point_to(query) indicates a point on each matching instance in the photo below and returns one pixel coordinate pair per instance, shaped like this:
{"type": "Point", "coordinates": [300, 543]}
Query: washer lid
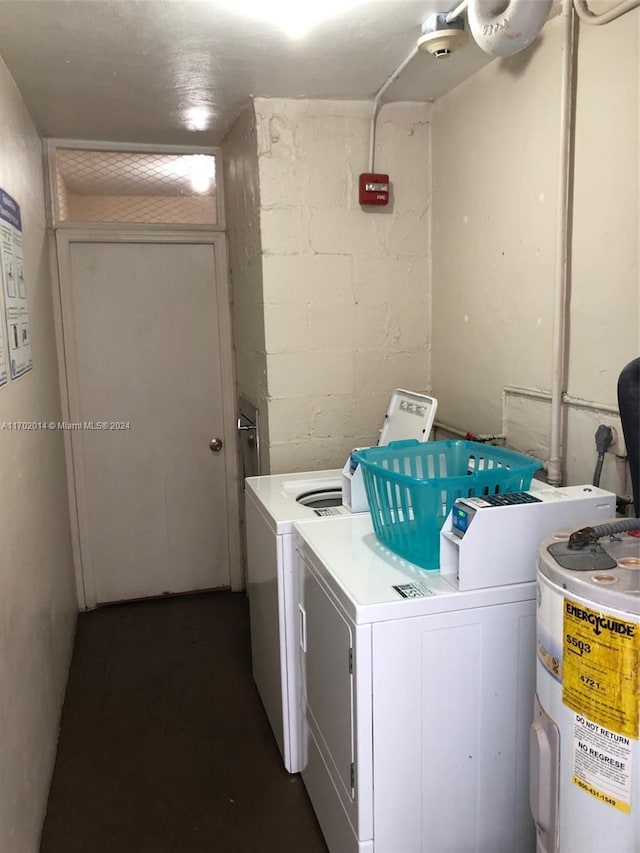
{"type": "Point", "coordinates": [275, 495]}
{"type": "Point", "coordinates": [409, 415]}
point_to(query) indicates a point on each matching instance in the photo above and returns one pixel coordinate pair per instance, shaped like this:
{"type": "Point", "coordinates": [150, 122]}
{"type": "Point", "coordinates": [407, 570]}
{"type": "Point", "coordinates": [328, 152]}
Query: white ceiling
{"type": "Point", "coordinates": [131, 70]}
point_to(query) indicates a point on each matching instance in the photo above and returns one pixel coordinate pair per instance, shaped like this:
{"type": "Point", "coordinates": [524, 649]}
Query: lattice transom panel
{"type": "Point", "coordinates": [135, 187]}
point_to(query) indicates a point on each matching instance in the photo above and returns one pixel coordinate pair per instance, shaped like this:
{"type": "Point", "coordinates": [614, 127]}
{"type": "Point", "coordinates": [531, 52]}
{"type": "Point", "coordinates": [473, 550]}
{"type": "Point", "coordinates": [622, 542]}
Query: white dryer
{"type": "Point", "coordinates": [274, 503]}
{"type": "Point", "coordinates": [418, 685]}
{"type": "Point", "coordinates": [418, 700]}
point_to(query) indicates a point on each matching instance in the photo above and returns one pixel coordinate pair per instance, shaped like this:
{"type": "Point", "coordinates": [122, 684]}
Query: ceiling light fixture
{"type": "Point", "coordinates": [295, 18]}
{"type": "Point", "coordinates": [197, 118]}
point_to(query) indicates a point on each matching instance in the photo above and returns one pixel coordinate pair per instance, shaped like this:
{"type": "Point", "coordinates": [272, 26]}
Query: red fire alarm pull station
{"type": "Point", "coordinates": [374, 189]}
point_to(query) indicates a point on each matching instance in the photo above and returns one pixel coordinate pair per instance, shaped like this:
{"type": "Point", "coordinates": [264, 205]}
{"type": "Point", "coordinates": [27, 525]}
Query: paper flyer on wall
{"type": "Point", "coordinates": [3, 359]}
{"type": "Point", "coordinates": [16, 308]}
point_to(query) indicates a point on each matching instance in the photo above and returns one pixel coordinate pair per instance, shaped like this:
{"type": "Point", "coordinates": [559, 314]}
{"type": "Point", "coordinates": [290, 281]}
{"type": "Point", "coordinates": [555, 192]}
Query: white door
{"type": "Point", "coordinates": [146, 391]}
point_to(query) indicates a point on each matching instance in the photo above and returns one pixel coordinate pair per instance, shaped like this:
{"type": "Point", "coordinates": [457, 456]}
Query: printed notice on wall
{"type": "Point", "coordinates": [602, 763]}
{"type": "Point", "coordinates": [3, 359]}
{"type": "Point", "coordinates": [600, 668]}
{"type": "Point", "coordinates": [14, 288]}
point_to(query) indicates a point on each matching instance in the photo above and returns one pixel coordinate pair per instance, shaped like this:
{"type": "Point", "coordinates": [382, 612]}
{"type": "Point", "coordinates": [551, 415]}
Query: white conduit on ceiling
{"type": "Point", "coordinates": [455, 13]}
{"type": "Point", "coordinates": [511, 31]}
{"type": "Point", "coordinates": [585, 14]}
{"type": "Point", "coordinates": [581, 6]}
{"type": "Point", "coordinates": [376, 105]}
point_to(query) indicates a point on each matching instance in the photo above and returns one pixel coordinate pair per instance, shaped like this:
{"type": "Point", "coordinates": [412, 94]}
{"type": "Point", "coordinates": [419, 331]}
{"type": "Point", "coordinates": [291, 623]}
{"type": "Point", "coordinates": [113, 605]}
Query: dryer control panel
{"type": "Point", "coordinates": [488, 541]}
{"type": "Point", "coordinates": [465, 509]}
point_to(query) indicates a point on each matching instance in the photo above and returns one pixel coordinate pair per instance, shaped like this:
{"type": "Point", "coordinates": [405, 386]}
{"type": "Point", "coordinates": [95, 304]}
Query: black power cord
{"type": "Point", "coordinates": [604, 440]}
{"type": "Point", "coordinates": [589, 535]}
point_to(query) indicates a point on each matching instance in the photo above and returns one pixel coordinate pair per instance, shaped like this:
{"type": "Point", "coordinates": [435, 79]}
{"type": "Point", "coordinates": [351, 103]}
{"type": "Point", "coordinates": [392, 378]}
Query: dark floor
{"type": "Point", "coordinates": [165, 747]}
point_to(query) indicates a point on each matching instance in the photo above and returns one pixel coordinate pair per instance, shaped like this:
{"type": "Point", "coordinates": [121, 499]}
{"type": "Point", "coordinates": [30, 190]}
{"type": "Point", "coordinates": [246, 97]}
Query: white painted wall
{"type": "Point", "coordinates": [37, 589]}
{"type": "Point", "coordinates": [346, 291]}
{"type": "Point", "coordinates": [495, 152]}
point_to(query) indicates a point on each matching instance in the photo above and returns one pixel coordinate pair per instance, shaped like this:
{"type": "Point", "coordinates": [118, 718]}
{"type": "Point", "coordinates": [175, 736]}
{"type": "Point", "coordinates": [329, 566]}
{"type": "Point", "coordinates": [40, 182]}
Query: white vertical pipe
{"type": "Point", "coordinates": [561, 294]}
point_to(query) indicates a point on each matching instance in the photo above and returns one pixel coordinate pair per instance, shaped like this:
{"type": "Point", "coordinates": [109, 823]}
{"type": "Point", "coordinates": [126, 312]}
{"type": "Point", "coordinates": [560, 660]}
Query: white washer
{"type": "Point", "coordinates": [272, 508]}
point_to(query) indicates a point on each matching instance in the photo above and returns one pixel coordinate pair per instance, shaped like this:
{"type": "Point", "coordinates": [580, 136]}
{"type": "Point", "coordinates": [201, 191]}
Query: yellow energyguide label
{"type": "Point", "coordinates": [600, 667]}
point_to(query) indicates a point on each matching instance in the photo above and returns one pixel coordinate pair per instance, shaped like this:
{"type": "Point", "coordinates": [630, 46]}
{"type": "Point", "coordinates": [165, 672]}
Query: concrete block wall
{"type": "Point", "coordinates": [345, 291]}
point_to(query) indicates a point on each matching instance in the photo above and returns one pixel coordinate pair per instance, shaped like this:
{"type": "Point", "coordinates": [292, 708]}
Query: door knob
{"type": "Point", "coordinates": [215, 445]}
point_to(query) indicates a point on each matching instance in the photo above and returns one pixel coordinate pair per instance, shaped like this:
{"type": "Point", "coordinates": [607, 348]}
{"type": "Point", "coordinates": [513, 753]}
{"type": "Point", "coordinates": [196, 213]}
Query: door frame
{"type": "Point", "coordinates": [60, 245]}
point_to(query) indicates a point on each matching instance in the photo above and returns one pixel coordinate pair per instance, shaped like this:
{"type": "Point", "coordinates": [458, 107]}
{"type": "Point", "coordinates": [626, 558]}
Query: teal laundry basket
{"type": "Point", "coordinates": [411, 487]}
